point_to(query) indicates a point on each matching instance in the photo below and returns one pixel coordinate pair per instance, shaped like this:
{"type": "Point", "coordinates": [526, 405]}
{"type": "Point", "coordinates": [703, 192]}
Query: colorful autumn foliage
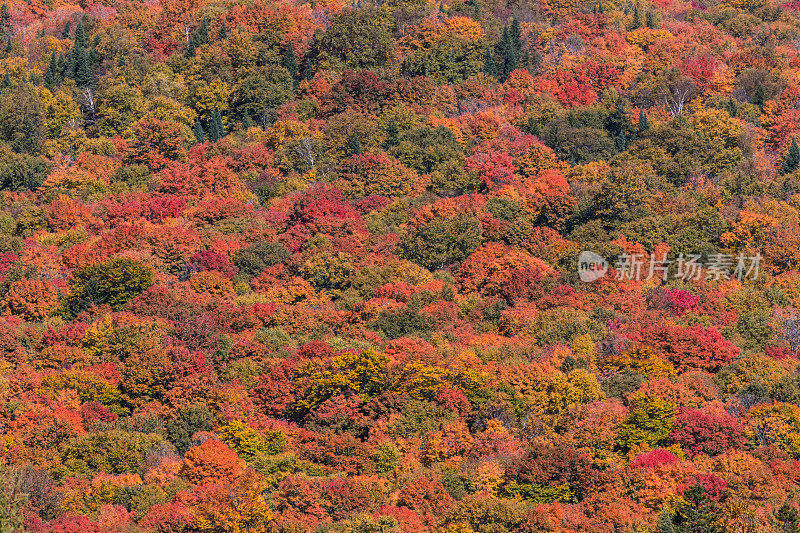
{"type": "Point", "coordinates": [279, 267]}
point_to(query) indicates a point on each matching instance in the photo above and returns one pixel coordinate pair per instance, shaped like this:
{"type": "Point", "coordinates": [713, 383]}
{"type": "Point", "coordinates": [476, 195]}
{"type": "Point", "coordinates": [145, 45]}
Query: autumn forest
{"type": "Point", "coordinates": [402, 266]}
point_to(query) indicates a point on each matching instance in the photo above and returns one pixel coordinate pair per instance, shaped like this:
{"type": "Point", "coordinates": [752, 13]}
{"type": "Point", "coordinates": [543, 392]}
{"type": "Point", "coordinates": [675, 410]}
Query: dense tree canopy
{"type": "Point", "coordinates": [273, 266]}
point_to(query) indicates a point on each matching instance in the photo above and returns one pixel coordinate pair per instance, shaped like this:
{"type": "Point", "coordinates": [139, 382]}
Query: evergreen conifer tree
{"type": "Point", "coordinates": [489, 67]}
{"type": "Point", "coordinates": [637, 18]}
{"type": "Point", "coordinates": [199, 134]}
{"type": "Point", "coordinates": [354, 145]}
{"type": "Point", "coordinates": [52, 76]}
{"type": "Point", "coordinates": [507, 55]}
{"type": "Point", "coordinates": [289, 60]}
{"type": "Point", "coordinates": [792, 160]}
{"type": "Point", "coordinates": [516, 36]}
{"type": "Point", "coordinates": [6, 30]}
{"type": "Point", "coordinates": [202, 32]}
{"type": "Point", "coordinates": [788, 519]}
{"type": "Point", "coordinates": [83, 70]}
{"type": "Point", "coordinates": [191, 47]}
{"type": "Point", "coordinates": [81, 39]}
{"type": "Point", "coordinates": [392, 134]}
{"type": "Point", "coordinates": [696, 514]}
{"type": "Point", "coordinates": [644, 123]}
{"type": "Point", "coordinates": [665, 524]}
{"type": "Point", "coordinates": [62, 66]}
{"type": "Point", "coordinates": [198, 38]}
{"type": "Point", "coordinates": [94, 55]}
{"type": "Point", "coordinates": [69, 64]}
{"type": "Point", "coordinates": [759, 96]}
{"type": "Point", "coordinates": [217, 128]}
{"type": "Point", "coordinates": [621, 141]}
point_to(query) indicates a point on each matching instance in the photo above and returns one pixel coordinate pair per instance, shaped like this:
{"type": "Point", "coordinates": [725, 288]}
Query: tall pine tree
{"type": "Point", "coordinates": [6, 30]}
{"type": "Point", "coordinates": [637, 18]}
{"type": "Point", "coordinates": [506, 55]}
{"type": "Point", "coordinates": [81, 38]}
{"type": "Point", "coordinates": [52, 76]}
{"type": "Point", "coordinates": [354, 145]}
{"type": "Point", "coordinates": [202, 32]}
{"type": "Point", "coordinates": [76, 63]}
{"type": "Point", "coordinates": [621, 141]}
{"type": "Point", "coordinates": [83, 68]}
{"type": "Point", "coordinates": [69, 64]}
{"type": "Point", "coordinates": [792, 160]}
{"type": "Point", "coordinates": [94, 55]}
{"type": "Point", "coordinates": [759, 96]}
{"type": "Point", "coordinates": [516, 36]}
{"type": "Point", "coordinates": [644, 123]}
{"type": "Point", "coordinates": [199, 134]}
{"type": "Point", "coordinates": [392, 134]}
{"type": "Point", "coordinates": [289, 61]}
{"type": "Point", "coordinates": [198, 38]}
{"type": "Point", "coordinates": [616, 122]}
{"type": "Point", "coordinates": [216, 130]}
{"type": "Point", "coordinates": [489, 66]}
{"type": "Point", "coordinates": [62, 66]}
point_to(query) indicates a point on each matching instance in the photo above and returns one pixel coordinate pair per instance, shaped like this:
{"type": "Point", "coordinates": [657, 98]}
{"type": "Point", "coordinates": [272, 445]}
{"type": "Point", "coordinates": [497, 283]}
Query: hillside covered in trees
{"type": "Point", "coordinates": [411, 266]}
